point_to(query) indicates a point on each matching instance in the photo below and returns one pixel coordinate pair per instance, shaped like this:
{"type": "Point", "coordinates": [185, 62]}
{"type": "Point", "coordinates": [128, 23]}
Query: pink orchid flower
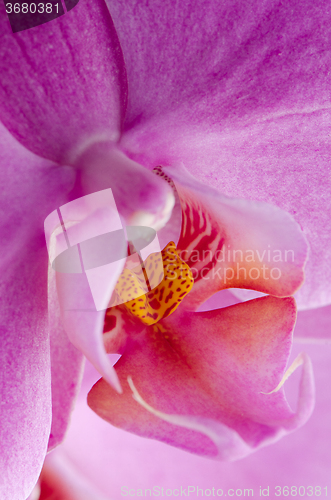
{"type": "Point", "coordinates": [206, 374]}
{"type": "Point", "coordinates": [98, 98]}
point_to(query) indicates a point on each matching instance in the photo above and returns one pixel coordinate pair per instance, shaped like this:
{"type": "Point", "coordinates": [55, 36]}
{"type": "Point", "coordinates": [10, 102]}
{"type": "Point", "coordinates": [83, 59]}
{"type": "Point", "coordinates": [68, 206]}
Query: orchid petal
{"type": "Point", "coordinates": [85, 288]}
{"type": "Point", "coordinates": [235, 64]}
{"type": "Point", "coordinates": [242, 105]}
{"type": "Point", "coordinates": [31, 187]}
{"type": "Point", "coordinates": [67, 364]}
{"type": "Point", "coordinates": [140, 463]}
{"type": "Point", "coordinates": [141, 197]}
{"type": "Point", "coordinates": [225, 439]}
{"type": "Point", "coordinates": [234, 243]}
{"type": "Point", "coordinates": [281, 160]}
{"type": "Point", "coordinates": [84, 329]}
{"type": "Point", "coordinates": [63, 83]}
{"type": "Point", "coordinates": [313, 326]}
{"type": "Point", "coordinates": [25, 374]}
{"type": "Point", "coordinates": [221, 299]}
{"type": "Point", "coordinates": [218, 376]}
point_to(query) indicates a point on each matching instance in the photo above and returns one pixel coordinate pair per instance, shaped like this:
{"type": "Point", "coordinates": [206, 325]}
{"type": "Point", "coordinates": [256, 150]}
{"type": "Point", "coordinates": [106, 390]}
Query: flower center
{"type": "Point", "coordinates": [164, 298]}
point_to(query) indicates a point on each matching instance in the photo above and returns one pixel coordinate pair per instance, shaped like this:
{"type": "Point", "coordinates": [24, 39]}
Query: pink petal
{"type": "Point", "coordinates": [224, 298]}
{"type": "Point", "coordinates": [141, 197]}
{"type": "Point", "coordinates": [84, 293]}
{"type": "Point", "coordinates": [241, 104]}
{"type": "Point", "coordinates": [236, 243]}
{"type": "Point", "coordinates": [63, 83]}
{"type": "Point", "coordinates": [26, 410]}
{"type": "Point", "coordinates": [302, 459]}
{"type": "Point", "coordinates": [282, 161]}
{"type": "Point", "coordinates": [220, 377]}
{"type": "Point", "coordinates": [31, 187]}
{"type": "Point", "coordinates": [212, 62]}
{"type": "Point", "coordinates": [313, 326]}
{"type": "Point", "coordinates": [67, 364]}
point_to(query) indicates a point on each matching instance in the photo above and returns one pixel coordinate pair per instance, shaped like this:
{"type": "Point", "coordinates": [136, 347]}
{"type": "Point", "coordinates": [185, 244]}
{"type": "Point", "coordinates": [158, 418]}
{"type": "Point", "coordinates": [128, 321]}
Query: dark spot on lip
{"type": "Point", "coordinates": [155, 304]}
{"type": "Point", "coordinates": [109, 324]}
{"type": "Point", "coordinates": [169, 297]}
{"type": "Point", "coordinates": [153, 316]}
{"type": "Point", "coordinates": [168, 311]}
{"type": "Point", "coordinates": [161, 293]}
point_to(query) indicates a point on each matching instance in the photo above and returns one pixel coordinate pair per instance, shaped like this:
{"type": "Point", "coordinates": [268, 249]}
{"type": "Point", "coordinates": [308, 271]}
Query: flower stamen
{"type": "Point", "coordinates": [162, 300]}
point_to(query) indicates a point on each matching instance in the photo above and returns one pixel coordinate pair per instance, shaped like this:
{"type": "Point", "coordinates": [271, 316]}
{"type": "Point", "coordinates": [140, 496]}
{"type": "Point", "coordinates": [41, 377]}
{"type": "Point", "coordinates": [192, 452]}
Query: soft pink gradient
{"type": "Point", "coordinates": [238, 93]}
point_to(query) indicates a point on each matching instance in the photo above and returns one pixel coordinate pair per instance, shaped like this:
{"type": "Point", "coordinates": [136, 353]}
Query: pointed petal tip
{"type": "Point", "coordinates": [113, 380]}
